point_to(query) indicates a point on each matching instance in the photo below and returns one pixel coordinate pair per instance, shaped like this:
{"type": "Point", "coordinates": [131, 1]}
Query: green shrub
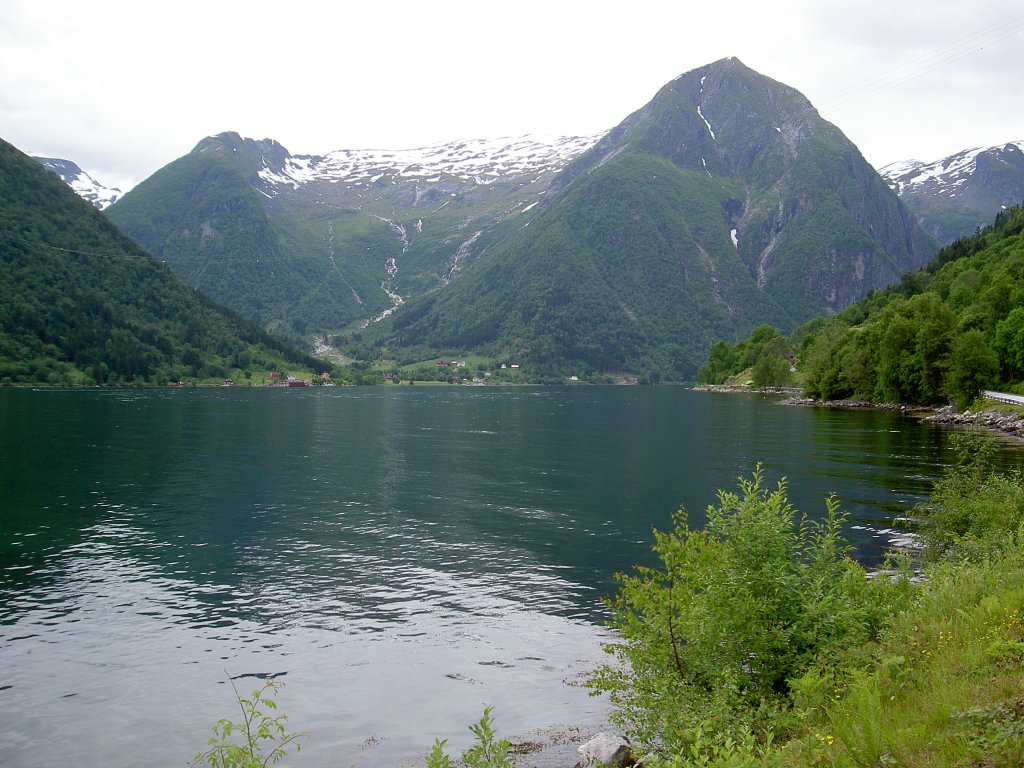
{"type": "Point", "coordinates": [717, 643]}
{"type": "Point", "coordinates": [487, 751]}
{"type": "Point", "coordinates": [974, 512]}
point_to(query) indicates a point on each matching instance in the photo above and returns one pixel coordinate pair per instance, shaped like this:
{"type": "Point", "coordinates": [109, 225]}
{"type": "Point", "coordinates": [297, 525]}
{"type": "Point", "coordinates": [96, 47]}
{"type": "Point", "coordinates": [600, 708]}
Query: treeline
{"type": "Point", "coordinates": [943, 334]}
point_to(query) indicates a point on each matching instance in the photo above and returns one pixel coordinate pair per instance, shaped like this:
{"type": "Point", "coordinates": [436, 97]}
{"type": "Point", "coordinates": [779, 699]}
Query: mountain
{"type": "Point", "coordinates": [305, 244]}
{"type": "Point", "coordinates": [958, 194]}
{"type": "Point", "coordinates": [725, 202]}
{"type": "Point", "coordinates": [85, 185]}
{"type": "Point", "coordinates": [80, 302]}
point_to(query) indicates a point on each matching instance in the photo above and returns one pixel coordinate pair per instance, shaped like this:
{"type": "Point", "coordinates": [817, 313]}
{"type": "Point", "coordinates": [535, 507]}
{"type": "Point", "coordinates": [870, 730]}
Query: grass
{"type": "Point", "coordinates": [984, 404]}
{"type": "Point", "coordinates": [947, 688]}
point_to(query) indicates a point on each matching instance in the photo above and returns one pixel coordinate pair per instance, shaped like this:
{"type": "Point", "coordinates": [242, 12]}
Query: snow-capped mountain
{"type": "Point", "coordinates": [85, 185]}
{"type": "Point", "coordinates": [479, 161]}
{"type": "Point", "coordinates": [346, 235]}
{"type": "Point", "coordinates": [957, 194]}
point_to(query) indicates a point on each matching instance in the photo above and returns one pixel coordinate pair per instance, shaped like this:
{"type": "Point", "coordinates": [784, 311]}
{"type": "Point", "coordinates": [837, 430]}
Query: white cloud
{"type": "Point", "coordinates": [123, 88]}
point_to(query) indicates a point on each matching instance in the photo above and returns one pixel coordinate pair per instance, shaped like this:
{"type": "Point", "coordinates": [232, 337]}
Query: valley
{"type": "Point", "coordinates": [723, 203]}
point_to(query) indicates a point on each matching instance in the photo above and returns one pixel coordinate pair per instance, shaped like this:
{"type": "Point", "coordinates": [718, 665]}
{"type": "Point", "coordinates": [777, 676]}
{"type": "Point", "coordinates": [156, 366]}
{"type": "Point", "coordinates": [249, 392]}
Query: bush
{"type": "Point", "coordinates": [719, 643]}
{"type": "Point", "coordinates": [974, 512]}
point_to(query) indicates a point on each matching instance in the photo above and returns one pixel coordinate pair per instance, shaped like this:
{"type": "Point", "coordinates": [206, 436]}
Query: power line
{"type": "Point", "coordinates": [926, 63]}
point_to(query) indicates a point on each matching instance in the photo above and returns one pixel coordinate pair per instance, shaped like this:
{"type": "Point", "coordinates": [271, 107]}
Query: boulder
{"type": "Point", "coordinates": [606, 750]}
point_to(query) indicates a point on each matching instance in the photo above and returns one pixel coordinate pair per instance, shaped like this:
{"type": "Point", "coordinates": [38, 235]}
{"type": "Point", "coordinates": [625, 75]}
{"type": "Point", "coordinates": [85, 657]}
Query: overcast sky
{"type": "Point", "coordinates": [123, 88]}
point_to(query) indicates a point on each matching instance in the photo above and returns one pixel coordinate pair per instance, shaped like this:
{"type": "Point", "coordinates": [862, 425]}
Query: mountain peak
{"type": "Point", "coordinates": [234, 142]}
{"type": "Point", "coordinates": [724, 202]}
{"type": "Point", "coordinates": [721, 118]}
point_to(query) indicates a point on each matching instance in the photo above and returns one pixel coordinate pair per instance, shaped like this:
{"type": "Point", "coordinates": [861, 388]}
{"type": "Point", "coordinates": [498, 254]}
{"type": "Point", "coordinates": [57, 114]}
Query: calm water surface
{"type": "Point", "coordinates": [398, 557]}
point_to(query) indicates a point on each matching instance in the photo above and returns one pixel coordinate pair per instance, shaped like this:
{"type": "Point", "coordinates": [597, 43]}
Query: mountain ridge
{"type": "Point", "coordinates": [81, 303]}
{"type": "Point", "coordinates": [795, 222]}
{"type": "Point", "coordinates": [346, 242]}
{"type": "Point", "coordinates": [958, 194]}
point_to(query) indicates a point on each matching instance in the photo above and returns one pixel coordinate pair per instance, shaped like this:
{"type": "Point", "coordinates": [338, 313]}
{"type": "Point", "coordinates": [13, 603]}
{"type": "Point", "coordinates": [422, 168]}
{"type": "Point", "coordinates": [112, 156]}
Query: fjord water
{"type": "Point", "coordinates": [398, 557]}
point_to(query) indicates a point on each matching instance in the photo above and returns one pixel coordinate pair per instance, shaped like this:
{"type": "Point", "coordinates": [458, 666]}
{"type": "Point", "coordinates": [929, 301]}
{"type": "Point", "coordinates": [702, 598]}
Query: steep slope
{"type": "Point", "coordinates": [956, 195]}
{"type": "Point", "coordinates": [724, 202]}
{"type": "Point", "coordinates": [85, 185]}
{"type": "Point", "coordinates": [203, 216]}
{"type": "Point", "coordinates": [945, 333]}
{"type": "Point", "coordinates": [609, 277]}
{"type": "Point", "coordinates": [79, 300]}
{"type": "Point", "coordinates": [306, 244]}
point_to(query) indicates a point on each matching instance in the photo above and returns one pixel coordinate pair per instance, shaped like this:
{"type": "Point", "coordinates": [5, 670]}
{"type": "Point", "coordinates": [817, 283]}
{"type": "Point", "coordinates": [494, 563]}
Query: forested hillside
{"type": "Point", "coordinates": [944, 333]}
{"type": "Point", "coordinates": [203, 217]}
{"type": "Point", "coordinates": [81, 303]}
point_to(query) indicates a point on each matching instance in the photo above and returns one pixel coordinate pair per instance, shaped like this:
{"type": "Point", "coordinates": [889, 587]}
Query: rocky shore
{"type": "Point", "coordinates": [854, 404]}
{"type": "Point", "coordinates": [1006, 423]}
{"type": "Point", "coordinates": [1011, 424]}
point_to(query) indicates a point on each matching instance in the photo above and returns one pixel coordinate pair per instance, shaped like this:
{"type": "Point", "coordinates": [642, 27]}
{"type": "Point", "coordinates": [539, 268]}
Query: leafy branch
{"type": "Point", "coordinates": [259, 729]}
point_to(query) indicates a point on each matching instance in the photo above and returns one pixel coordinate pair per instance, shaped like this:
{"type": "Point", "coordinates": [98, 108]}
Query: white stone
{"type": "Point", "coordinates": [606, 749]}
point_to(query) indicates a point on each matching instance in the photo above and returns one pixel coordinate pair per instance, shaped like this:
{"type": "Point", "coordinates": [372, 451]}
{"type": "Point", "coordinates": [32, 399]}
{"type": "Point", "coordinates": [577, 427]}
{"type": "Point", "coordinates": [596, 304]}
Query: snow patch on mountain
{"type": "Point", "coordinates": [946, 174]}
{"type": "Point", "coordinates": [481, 161]}
{"type": "Point", "coordinates": [85, 185]}
{"type": "Point", "coordinates": [699, 112]}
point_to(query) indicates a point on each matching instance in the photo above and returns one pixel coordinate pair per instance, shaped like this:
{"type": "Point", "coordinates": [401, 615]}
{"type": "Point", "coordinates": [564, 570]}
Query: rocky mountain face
{"type": "Point", "coordinates": [307, 244]}
{"type": "Point", "coordinates": [723, 203]}
{"type": "Point", "coordinates": [956, 195]}
{"type": "Point", "coordinates": [85, 185]}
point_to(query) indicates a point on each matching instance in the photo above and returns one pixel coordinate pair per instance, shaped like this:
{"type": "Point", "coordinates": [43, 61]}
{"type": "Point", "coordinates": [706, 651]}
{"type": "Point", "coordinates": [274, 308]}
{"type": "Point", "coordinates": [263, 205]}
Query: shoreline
{"type": "Point", "coordinates": [1008, 424]}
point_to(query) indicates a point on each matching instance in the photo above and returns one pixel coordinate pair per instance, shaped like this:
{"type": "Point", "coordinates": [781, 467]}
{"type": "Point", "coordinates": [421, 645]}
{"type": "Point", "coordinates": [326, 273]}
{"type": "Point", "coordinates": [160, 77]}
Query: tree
{"type": "Point", "coordinates": [899, 372]}
{"type": "Point", "coordinates": [1010, 342]}
{"type": "Point", "coordinates": [973, 365]}
{"type": "Point", "coordinates": [770, 370]}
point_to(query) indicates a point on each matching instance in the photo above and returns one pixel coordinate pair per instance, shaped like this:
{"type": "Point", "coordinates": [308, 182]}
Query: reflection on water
{"type": "Point", "coordinates": [399, 557]}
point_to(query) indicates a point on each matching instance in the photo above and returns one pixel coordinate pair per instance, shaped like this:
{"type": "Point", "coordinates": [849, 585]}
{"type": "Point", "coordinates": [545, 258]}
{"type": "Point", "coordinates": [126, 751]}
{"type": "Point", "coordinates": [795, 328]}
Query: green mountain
{"type": "Point", "coordinates": [723, 203]}
{"type": "Point", "coordinates": [307, 244]}
{"type": "Point", "coordinates": [81, 302]}
{"type": "Point", "coordinates": [203, 217]}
